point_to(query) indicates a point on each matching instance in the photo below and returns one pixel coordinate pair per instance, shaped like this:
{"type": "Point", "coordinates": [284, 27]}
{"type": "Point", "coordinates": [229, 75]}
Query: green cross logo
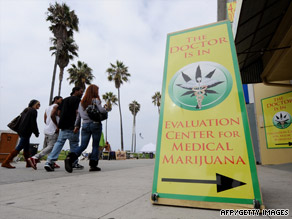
{"type": "Point", "coordinates": [282, 120]}
{"type": "Point", "coordinates": [199, 86]}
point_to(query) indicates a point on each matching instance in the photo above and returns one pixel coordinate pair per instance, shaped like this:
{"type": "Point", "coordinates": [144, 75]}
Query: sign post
{"type": "Point", "coordinates": [204, 155]}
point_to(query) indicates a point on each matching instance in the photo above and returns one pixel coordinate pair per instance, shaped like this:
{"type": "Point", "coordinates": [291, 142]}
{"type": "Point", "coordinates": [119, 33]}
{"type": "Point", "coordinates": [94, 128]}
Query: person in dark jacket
{"type": "Point", "coordinates": [27, 126]}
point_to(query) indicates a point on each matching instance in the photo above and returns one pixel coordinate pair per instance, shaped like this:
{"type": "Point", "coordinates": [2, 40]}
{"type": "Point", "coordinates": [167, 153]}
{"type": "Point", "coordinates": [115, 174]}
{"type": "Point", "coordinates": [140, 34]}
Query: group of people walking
{"type": "Point", "coordinates": [62, 122]}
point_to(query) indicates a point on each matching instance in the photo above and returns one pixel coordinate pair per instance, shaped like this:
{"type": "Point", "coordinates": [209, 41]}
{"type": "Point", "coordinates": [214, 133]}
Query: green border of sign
{"type": "Point", "coordinates": [265, 123]}
{"type": "Point", "coordinates": [253, 170]}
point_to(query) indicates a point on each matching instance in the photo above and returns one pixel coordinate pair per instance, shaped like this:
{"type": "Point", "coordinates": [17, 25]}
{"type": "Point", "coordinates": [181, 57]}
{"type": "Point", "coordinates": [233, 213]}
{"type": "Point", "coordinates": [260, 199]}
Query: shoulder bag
{"type": "Point", "coordinates": [94, 114]}
{"type": "Point", "coordinates": [14, 124]}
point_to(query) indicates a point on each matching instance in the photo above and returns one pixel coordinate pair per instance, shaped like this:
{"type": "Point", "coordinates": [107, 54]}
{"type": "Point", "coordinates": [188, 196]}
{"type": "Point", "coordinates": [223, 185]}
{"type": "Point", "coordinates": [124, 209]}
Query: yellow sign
{"type": "Point", "coordinates": [204, 149]}
{"type": "Point", "coordinates": [231, 10]}
{"type": "Point", "coordinates": [277, 112]}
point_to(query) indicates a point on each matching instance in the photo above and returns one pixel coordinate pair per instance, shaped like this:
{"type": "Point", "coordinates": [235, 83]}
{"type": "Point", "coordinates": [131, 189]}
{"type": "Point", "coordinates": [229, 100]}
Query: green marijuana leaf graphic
{"type": "Point", "coordinates": [199, 87]}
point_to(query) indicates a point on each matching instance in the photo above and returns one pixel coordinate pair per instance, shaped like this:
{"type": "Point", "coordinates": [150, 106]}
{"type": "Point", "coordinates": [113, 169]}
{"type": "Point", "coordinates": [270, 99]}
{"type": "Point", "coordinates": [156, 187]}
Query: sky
{"type": "Point", "coordinates": [131, 31]}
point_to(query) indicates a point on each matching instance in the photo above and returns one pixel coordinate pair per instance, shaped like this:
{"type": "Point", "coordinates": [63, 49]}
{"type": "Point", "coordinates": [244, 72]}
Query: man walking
{"type": "Point", "coordinates": [68, 112]}
{"type": "Point", "coordinates": [51, 131]}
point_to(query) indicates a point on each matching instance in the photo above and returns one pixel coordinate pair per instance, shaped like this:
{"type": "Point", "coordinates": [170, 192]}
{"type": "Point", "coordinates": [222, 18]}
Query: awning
{"type": "Point", "coordinates": [263, 40]}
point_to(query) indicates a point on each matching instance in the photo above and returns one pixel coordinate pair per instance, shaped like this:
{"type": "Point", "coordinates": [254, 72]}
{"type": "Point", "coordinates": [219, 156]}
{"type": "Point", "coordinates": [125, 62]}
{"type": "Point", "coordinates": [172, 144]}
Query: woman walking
{"type": "Point", "coordinates": [27, 126]}
{"type": "Point", "coordinates": [89, 128]}
{"type": "Point", "coordinates": [51, 130]}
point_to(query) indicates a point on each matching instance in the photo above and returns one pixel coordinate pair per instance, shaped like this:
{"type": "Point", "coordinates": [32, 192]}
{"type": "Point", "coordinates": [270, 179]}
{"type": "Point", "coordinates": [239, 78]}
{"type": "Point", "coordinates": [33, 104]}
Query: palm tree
{"type": "Point", "coordinates": [156, 99]}
{"type": "Point", "coordinates": [110, 99]}
{"type": "Point", "coordinates": [80, 75]}
{"type": "Point", "coordinates": [134, 107]}
{"type": "Point", "coordinates": [67, 53]}
{"type": "Point", "coordinates": [119, 74]}
{"type": "Point", "coordinates": [63, 23]}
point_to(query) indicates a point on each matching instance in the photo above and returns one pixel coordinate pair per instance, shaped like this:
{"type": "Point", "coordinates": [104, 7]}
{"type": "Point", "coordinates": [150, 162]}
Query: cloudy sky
{"type": "Point", "coordinates": [132, 31]}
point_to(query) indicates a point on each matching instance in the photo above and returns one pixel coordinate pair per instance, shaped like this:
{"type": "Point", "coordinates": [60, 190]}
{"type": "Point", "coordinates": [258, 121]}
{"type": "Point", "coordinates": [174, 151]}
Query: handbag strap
{"type": "Point", "coordinates": [93, 102]}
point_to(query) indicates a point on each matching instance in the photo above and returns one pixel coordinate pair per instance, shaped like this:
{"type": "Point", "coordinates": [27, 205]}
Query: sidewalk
{"type": "Point", "coordinates": [121, 190]}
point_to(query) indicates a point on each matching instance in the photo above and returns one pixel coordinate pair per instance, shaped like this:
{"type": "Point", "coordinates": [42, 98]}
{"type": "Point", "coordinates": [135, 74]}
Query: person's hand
{"type": "Point", "coordinates": [106, 107]}
{"type": "Point", "coordinates": [76, 130]}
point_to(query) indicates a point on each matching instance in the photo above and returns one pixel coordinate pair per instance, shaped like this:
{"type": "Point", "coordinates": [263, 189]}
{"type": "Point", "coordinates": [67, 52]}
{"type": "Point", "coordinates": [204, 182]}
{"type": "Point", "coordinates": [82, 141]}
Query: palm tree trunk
{"type": "Point", "coordinates": [121, 123]}
{"type": "Point", "coordinates": [59, 48]}
{"type": "Point", "coordinates": [105, 130]}
{"type": "Point", "coordinates": [53, 78]}
{"type": "Point", "coordinates": [60, 80]}
{"type": "Point", "coordinates": [135, 133]}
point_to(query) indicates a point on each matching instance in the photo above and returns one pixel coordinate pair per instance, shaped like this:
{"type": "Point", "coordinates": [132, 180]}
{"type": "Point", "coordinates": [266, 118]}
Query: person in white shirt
{"type": "Point", "coordinates": [51, 131]}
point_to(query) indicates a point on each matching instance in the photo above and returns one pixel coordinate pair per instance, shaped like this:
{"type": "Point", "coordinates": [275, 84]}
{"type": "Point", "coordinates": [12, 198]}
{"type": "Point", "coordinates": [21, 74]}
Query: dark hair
{"type": "Point", "coordinates": [75, 89]}
{"type": "Point", "coordinates": [32, 103]}
{"type": "Point", "coordinates": [56, 98]}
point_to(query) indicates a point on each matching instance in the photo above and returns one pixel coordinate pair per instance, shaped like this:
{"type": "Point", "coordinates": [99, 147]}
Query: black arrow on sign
{"type": "Point", "coordinates": [223, 182]}
{"type": "Point", "coordinates": [288, 143]}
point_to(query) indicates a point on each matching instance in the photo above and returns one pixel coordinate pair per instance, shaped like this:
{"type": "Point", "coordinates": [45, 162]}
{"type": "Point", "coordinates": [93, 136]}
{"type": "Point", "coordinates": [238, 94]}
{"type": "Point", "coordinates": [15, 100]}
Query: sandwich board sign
{"type": "Point", "coordinates": [204, 155]}
{"type": "Point", "coordinates": [277, 111]}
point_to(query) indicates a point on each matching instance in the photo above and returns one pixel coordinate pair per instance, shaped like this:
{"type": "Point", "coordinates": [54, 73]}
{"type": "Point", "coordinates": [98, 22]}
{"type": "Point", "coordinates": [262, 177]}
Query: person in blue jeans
{"type": "Point", "coordinates": [68, 111]}
{"type": "Point", "coordinates": [27, 126]}
{"type": "Point", "coordinates": [90, 129]}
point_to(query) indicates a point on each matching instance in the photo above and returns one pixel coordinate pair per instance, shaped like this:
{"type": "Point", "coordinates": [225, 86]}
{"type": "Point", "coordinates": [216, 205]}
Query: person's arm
{"type": "Point", "coordinates": [45, 117]}
{"type": "Point", "coordinates": [100, 108]}
{"type": "Point", "coordinates": [33, 121]}
{"type": "Point", "coordinates": [77, 121]}
{"type": "Point", "coordinates": [54, 115]}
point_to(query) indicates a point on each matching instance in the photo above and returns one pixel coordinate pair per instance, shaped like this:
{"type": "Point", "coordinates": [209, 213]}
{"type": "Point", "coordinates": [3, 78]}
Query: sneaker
{"type": "Point", "coordinates": [33, 162]}
{"type": "Point", "coordinates": [68, 164]}
{"type": "Point", "coordinates": [77, 166]}
{"type": "Point", "coordinates": [56, 165]}
{"type": "Point", "coordinates": [49, 167]}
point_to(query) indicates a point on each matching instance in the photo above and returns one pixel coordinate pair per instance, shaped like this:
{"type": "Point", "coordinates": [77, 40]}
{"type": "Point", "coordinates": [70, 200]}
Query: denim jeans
{"type": "Point", "coordinates": [90, 129]}
{"type": "Point", "coordinates": [63, 136]}
{"type": "Point", "coordinates": [23, 144]}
